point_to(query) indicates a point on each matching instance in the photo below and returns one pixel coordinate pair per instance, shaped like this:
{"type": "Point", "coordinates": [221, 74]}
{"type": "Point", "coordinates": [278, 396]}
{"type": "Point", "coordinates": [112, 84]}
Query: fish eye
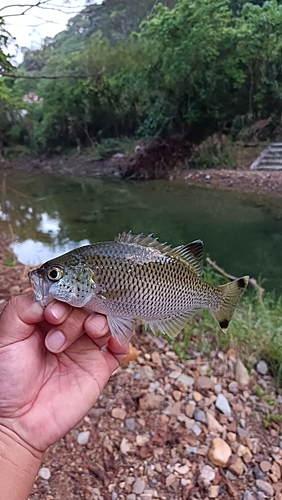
{"type": "Point", "coordinates": [55, 273]}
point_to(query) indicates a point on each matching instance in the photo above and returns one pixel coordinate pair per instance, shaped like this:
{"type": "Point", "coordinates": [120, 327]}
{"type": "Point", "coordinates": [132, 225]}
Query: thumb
{"type": "Point", "coordinates": [18, 319]}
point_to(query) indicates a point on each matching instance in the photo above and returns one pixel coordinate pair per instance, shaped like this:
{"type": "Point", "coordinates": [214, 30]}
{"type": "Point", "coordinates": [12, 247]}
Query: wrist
{"type": "Point", "coordinates": [19, 464]}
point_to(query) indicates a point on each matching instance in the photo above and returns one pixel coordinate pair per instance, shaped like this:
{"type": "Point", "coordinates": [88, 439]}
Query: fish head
{"type": "Point", "coordinates": [74, 284]}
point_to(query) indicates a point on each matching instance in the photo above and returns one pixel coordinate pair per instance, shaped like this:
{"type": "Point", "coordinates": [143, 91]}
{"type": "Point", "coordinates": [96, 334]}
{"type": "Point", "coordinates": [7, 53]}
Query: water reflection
{"type": "Point", "coordinates": [49, 215]}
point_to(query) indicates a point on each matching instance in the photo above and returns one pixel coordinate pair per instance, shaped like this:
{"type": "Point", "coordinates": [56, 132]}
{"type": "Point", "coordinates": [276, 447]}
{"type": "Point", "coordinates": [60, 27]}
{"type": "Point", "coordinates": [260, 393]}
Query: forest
{"type": "Point", "coordinates": [143, 70]}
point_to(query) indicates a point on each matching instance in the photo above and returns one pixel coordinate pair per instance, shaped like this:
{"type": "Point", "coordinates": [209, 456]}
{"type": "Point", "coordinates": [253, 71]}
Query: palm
{"type": "Point", "coordinates": [43, 395]}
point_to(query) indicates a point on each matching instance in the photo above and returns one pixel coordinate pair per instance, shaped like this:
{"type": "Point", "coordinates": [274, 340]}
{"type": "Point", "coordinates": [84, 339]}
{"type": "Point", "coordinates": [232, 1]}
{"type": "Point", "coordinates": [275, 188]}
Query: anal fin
{"type": "Point", "coordinates": [171, 327]}
{"type": "Point", "coordinates": [121, 328]}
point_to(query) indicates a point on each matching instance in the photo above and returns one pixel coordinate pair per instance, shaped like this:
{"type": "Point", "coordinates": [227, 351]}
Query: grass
{"type": "Point", "coordinates": [255, 331]}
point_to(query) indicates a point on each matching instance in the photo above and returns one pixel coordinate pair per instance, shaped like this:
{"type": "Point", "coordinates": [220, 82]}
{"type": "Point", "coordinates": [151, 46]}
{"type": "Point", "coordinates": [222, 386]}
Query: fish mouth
{"type": "Point", "coordinates": [41, 288]}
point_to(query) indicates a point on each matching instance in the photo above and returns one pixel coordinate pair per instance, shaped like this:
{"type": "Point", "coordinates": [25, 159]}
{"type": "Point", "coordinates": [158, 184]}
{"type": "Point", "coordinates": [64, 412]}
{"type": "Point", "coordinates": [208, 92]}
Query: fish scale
{"type": "Point", "coordinates": [137, 277]}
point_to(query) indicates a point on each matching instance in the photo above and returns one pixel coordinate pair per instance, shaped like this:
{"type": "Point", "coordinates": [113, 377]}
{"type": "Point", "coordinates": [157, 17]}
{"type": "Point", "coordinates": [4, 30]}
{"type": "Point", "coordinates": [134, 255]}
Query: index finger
{"type": "Point", "coordinates": [18, 319]}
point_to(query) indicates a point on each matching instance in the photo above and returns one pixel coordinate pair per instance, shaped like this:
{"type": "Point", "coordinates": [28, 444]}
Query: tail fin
{"type": "Point", "coordinates": [231, 294]}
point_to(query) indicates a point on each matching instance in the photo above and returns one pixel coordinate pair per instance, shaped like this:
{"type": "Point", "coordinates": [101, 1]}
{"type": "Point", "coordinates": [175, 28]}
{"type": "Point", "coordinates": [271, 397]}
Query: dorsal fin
{"type": "Point", "coordinates": [191, 254]}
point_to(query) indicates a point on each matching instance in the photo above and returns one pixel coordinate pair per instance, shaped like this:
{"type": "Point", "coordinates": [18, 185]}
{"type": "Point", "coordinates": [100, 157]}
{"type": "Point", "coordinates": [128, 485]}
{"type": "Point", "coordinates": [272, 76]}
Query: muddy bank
{"type": "Point", "coordinates": [242, 179]}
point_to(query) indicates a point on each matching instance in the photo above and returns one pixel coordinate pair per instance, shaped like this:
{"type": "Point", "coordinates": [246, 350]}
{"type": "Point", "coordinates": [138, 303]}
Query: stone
{"type": "Point", "coordinates": [146, 373]}
{"type": "Point", "coordinates": [176, 395]}
{"type": "Point", "coordinates": [261, 367]}
{"type": "Point", "coordinates": [231, 436]}
{"type": "Point", "coordinates": [141, 440]}
{"type": "Point", "coordinates": [189, 409]}
{"type": "Point", "coordinates": [181, 469]}
{"type": "Point", "coordinates": [265, 487]}
{"type": "Point", "coordinates": [223, 405]}
{"type": "Point", "coordinates": [150, 401]}
{"type": "Point", "coordinates": [265, 466]}
{"type": "Point", "coordinates": [233, 387]}
{"type": "Point", "coordinates": [125, 446]}
{"type": "Point", "coordinates": [189, 422]}
{"type": "Point", "coordinates": [83, 437]}
{"type": "Point", "coordinates": [248, 496]}
{"type": "Point", "coordinates": [44, 473]}
{"type": "Point", "coordinates": [241, 373]}
{"type": "Point", "coordinates": [185, 380]}
{"type": "Point", "coordinates": [174, 374]}
{"type": "Point", "coordinates": [170, 479]}
{"type": "Point", "coordinates": [214, 491]}
{"type": "Point", "coordinates": [200, 416]}
{"type": "Point", "coordinates": [130, 424]}
{"type": "Point", "coordinates": [156, 358]}
{"type": "Point", "coordinates": [197, 429]}
{"type": "Point", "coordinates": [206, 476]}
{"type": "Point", "coordinates": [237, 467]}
{"type": "Point", "coordinates": [257, 472]}
{"type": "Point", "coordinates": [217, 388]}
{"type": "Point", "coordinates": [138, 486]}
{"type": "Point", "coordinates": [131, 496]}
{"type": "Point", "coordinates": [220, 452]}
{"type": "Point", "coordinates": [197, 396]}
{"type": "Point", "coordinates": [203, 383]}
{"type": "Point", "coordinates": [213, 424]}
{"type": "Point", "coordinates": [118, 413]}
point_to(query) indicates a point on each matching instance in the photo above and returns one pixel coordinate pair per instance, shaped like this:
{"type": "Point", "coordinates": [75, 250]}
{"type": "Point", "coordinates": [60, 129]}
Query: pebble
{"type": "Point", "coordinates": [233, 387]}
{"type": "Point", "coordinates": [214, 491]}
{"type": "Point", "coordinates": [241, 373]}
{"type": "Point", "coordinates": [217, 388]}
{"type": "Point", "coordinates": [189, 422]}
{"type": "Point", "coordinates": [223, 405]}
{"type": "Point", "coordinates": [206, 476]}
{"type": "Point", "coordinates": [185, 380]}
{"type": "Point", "coordinates": [199, 415]}
{"type": "Point", "coordinates": [237, 467]}
{"type": "Point", "coordinates": [170, 479]}
{"type": "Point", "coordinates": [191, 450]}
{"type": "Point", "coordinates": [138, 486]}
{"type": "Point", "coordinates": [265, 487]}
{"type": "Point", "coordinates": [146, 373]}
{"type": "Point", "coordinates": [44, 473]}
{"type": "Point", "coordinates": [83, 437]}
{"type": "Point", "coordinates": [181, 469]}
{"type": "Point", "coordinates": [203, 383]}
{"type": "Point", "coordinates": [125, 446]}
{"type": "Point", "coordinates": [261, 367]}
{"type": "Point", "coordinates": [189, 409]}
{"type": "Point", "coordinates": [213, 424]}
{"type": "Point", "coordinates": [220, 452]}
{"type": "Point", "coordinates": [196, 429]}
{"type": "Point", "coordinates": [131, 496]}
{"type": "Point", "coordinates": [141, 440]}
{"type": "Point", "coordinates": [197, 396]}
{"type": "Point", "coordinates": [248, 496]}
{"type": "Point", "coordinates": [130, 423]}
{"type": "Point", "coordinates": [265, 466]}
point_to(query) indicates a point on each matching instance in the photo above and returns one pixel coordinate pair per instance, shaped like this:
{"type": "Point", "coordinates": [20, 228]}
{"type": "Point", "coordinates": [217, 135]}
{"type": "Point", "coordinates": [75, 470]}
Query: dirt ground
{"type": "Point", "coordinates": [166, 427]}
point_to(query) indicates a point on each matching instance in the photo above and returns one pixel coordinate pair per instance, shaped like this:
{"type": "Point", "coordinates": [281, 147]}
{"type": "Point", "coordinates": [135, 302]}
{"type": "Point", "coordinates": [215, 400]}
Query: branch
{"type": "Point", "coordinates": [252, 281]}
{"type": "Point", "coordinates": [47, 77]}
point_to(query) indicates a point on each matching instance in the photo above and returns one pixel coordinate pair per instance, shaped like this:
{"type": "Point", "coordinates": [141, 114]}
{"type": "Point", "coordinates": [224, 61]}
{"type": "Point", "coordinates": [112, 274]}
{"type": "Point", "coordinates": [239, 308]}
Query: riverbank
{"type": "Point", "coordinates": [243, 180]}
{"type": "Point", "coordinates": [167, 426]}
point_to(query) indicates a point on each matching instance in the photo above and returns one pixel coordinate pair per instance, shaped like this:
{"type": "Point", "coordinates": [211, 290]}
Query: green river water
{"type": "Point", "coordinates": [49, 215]}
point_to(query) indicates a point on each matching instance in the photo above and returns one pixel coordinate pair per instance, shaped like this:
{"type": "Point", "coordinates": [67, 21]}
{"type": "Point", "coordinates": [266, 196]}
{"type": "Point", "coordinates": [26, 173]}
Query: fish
{"type": "Point", "coordinates": [135, 277]}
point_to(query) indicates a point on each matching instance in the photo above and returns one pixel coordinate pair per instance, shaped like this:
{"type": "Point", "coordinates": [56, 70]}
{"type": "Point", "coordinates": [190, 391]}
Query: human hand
{"type": "Point", "coordinates": [47, 388]}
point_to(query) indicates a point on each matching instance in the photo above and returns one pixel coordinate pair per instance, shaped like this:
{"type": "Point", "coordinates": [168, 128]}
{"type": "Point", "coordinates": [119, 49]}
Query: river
{"type": "Point", "coordinates": [48, 215]}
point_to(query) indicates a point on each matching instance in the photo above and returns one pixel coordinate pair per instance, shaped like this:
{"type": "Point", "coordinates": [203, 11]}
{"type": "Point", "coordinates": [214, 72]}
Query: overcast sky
{"type": "Point", "coordinates": [31, 28]}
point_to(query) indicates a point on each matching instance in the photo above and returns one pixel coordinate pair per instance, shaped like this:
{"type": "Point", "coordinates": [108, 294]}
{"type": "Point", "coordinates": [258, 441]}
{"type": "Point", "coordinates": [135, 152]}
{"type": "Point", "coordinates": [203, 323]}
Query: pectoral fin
{"type": "Point", "coordinates": [121, 329]}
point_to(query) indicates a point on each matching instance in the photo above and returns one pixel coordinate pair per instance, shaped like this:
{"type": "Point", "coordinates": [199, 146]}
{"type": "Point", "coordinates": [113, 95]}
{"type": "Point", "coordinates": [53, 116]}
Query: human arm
{"type": "Point", "coordinates": [44, 391]}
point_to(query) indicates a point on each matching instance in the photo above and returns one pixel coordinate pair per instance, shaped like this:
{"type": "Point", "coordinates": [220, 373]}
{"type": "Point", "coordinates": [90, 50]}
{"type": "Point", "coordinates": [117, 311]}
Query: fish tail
{"type": "Point", "coordinates": [231, 294]}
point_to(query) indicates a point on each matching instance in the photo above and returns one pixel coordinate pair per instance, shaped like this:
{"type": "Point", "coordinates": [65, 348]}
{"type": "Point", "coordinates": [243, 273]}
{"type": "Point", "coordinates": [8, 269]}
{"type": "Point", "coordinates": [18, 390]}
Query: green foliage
{"type": "Point", "coordinates": [217, 151]}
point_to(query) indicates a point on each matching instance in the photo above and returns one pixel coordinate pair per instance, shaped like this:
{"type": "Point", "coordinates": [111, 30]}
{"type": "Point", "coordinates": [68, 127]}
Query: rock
{"type": "Point", "coordinates": [233, 387]}
{"type": "Point", "coordinates": [265, 466]}
{"type": "Point", "coordinates": [241, 373]}
{"type": "Point", "coordinates": [185, 380]}
{"type": "Point", "coordinates": [197, 396]}
{"type": "Point", "coordinates": [118, 413]}
{"type": "Point", "coordinates": [169, 480]}
{"type": "Point", "coordinates": [156, 358]}
{"type": "Point", "coordinates": [203, 383]}
{"type": "Point", "coordinates": [83, 437]}
{"type": "Point", "coordinates": [138, 486]}
{"type": "Point", "coordinates": [189, 422]}
{"type": "Point", "coordinates": [261, 367]}
{"type": "Point", "coordinates": [191, 450]}
{"type": "Point", "coordinates": [199, 415]}
{"type": "Point", "coordinates": [150, 401]}
{"type": "Point", "coordinates": [189, 409]}
{"type": "Point", "coordinates": [213, 424]}
{"type": "Point", "coordinates": [217, 388]}
{"type": "Point", "coordinates": [176, 395]}
{"type": "Point", "coordinates": [220, 452]}
{"type": "Point", "coordinates": [206, 476]}
{"type": "Point", "coordinates": [131, 496]}
{"type": "Point", "coordinates": [248, 496]}
{"type": "Point", "coordinates": [265, 487]}
{"type": "Point", "coordinates": [197, 429]}
{"type": "Point", "coordinates": [44, 473]}
{"type": "Point", "coordinates": [146, 373]}
{"type": "Point", "coordinates": [174, 374]}
{"type": "Point", "coordinates": [181, 469]}
{"type": "Point", "coordinates": [141, 440]}
{"type": "Point", "coordinates": [96, 412]}
{"type": "Point", "coordinates": [231, 436]}
{"type": "Point", "coordinates": [223, 405]}
{"type": "Point", "coordinates": [258, 474]}
{"type": "Point", "coordinates": [125, 446]}
{"type": "Point", "coordinates": [237, 467]}
{"type": "Point", "coordinates": [214, 491]}
{"type": "Point", "coordinates": [130, 423]}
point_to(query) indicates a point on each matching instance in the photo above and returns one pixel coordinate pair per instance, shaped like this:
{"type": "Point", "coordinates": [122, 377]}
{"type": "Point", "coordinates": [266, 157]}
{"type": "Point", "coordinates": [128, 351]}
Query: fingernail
{"type": "Point", "coordinates": [55, 341]}
{"type": "Point", "coordinates": [58, 310]}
